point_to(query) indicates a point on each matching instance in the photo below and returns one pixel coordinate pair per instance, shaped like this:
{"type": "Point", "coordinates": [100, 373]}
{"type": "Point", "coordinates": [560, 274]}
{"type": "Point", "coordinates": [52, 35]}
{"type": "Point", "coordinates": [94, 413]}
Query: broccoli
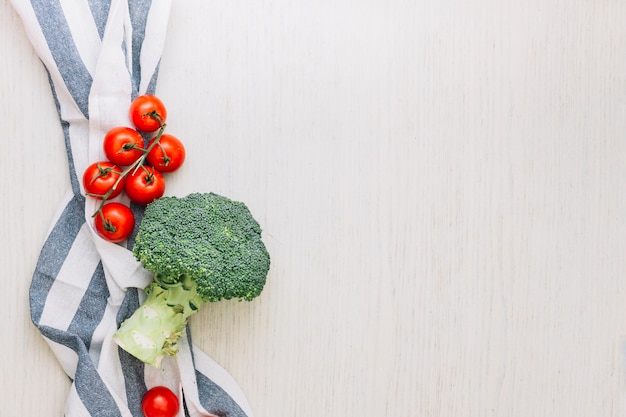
{"type": "Point", "coordinates": [201, 248]}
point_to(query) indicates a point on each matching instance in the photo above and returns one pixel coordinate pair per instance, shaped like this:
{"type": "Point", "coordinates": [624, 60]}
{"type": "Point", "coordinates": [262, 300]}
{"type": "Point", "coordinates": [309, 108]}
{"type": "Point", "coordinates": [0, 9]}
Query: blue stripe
{"type": "Point", "coordinates": [60, 42]}
{"type": "Point", "coordinates": [68, 144]}
{"type": "Point", "coordinates": [62, 236]}
{"type": "Point", "coordinates": [215, 400]}
{"type": "Point", "coordinates": [38, 292]}
{"type": "Point", "coordinates": [100, 12]}
{"type": "Point", "coordinates": [132, 368]}
{"type": "Point", "coordinates": [138, 10]}
{"type": "Point", "coordinates": [213, 397]}
{"type": "Point", "coordinates": [133, 83]}
{"type": "Point", "coordinates": [138, 211]}
{"type": "Point", "coordinates": [134, 383]}
{"type": "Point", "coordinates": [91, 308]}
{"type": "Point", "coordinates": [128, 306]}
{"type": "Point", "coordinates": [63, 338]}
{"type": "Point", "coordinates": [53, 254]}
{"type": "Point", "coordinates": [90, 388]}
{"type": "Point", "coordinates": [152, 84]}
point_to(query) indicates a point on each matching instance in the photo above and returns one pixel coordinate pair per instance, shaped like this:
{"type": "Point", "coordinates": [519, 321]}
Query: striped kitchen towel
{"type": "Point", "coordinates": [99, 55]}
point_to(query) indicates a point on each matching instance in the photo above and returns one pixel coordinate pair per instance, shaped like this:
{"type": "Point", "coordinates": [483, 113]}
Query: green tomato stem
{"type": "Point", "coordinates": [132, 167]}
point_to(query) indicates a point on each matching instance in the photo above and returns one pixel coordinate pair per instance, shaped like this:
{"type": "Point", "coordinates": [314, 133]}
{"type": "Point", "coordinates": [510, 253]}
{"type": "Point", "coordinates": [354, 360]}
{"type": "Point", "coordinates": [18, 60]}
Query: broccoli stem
{"type": "Point", "coordinates": [152, 332]}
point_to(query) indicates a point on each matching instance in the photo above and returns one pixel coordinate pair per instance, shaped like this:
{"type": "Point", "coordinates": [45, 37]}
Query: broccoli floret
{"type": "Point", "coordinates": [201, 248]}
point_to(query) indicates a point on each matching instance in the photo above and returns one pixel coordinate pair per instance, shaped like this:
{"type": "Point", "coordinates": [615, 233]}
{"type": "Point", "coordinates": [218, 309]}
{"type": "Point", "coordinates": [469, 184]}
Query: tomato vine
{"type": "Point", "coordinates": [104, 180]}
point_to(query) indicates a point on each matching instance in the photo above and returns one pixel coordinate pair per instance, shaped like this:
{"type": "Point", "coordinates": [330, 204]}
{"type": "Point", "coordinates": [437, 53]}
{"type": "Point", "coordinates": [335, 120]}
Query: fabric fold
{"type": "Point", "coordinates": [99, 55]}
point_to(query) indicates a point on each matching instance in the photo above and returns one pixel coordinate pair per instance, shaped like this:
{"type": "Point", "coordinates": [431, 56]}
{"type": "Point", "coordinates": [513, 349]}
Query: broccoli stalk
{"type": "Point", "coordinates": [201, 248]}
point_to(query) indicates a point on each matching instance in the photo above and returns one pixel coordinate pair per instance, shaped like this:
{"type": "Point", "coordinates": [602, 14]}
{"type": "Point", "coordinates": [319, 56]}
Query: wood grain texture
{"type": "Point", "coordinates": [441, 187]}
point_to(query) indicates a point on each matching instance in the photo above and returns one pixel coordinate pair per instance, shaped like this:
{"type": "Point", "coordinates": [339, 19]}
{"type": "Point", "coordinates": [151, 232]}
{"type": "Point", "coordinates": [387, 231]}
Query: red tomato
{"type": "Point", "coordinates": [115, 222]}
{"type": "Point", "coordinates": [160, 402]}
{"type": "Point", "coordinates": [168, 155]}
{"type": "Point", "coordinates": [144, 185]}
{"type": "Point", "coordinates": [123, 145]}
{"type": "Point", "coordinates": [100, 177]}
{"type": "Point", "coordinates": [148, 113]}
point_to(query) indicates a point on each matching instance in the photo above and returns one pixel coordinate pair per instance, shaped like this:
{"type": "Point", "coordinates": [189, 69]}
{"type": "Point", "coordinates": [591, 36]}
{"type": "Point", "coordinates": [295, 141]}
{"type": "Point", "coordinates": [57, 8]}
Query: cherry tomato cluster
{"type": "Point", "coordinates": [160, 402]}
{"type": "Point", "coordinates": [132, 168]}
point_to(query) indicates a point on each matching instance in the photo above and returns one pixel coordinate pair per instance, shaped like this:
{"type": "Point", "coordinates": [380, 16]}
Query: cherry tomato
{"type": "Point", "coordinates": [123, 145]}
{"type": "Point", "coordinates": [160, 402]}
{"type": "Point", "coordinates": [144, 185]}
{"type": "Point", "coordinates": [148, 113]}
{"type": "Point", "coordinates": [100, 177]}
{"type": "Point", "coordinates": [115, 222]}
{"type": "Point", "coordinates": [168, 155]}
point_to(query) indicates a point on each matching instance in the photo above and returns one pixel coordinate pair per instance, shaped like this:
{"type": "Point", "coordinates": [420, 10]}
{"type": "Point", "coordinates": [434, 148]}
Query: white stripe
{"type": "Point", "coordinates": [102, 332]}
{"type": "Point", "coordinates": [168, 375]}
{"type": "Point", "coordinates": [188, 381]}
{"type": "Point", "coordinates": [110, 370]}
{"type": "Point", "coordinates": [66, 357]}
{"type": "Point", "coordinates": [73, 279]}
{"type": "Point", "coordinates": [110, 93]}
{"type": "Point", "coordinates": [154, 40]}
{"type": "Point", "coordinates": [38, 40]}
{"type": "Point", "coordinates": [121, 268]}
{"type": "Point", "coordinates": [84, 31]}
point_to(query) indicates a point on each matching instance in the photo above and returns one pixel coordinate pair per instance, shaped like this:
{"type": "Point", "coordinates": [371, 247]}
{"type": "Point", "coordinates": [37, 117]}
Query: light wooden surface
{"type": "Point", "coordinates": [442, 187]}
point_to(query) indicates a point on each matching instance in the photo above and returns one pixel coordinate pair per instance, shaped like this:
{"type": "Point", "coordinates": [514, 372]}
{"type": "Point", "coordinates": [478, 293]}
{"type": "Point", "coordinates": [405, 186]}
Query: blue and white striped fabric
{"type": "Point", "coordinates": [99, 55]}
